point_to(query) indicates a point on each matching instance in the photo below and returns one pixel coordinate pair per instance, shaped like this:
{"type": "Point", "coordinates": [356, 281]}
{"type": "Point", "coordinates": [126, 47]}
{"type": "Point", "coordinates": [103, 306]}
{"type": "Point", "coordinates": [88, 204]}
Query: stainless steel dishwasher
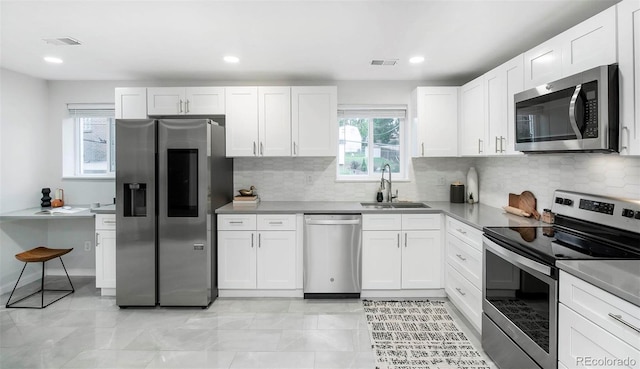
{"type": "Point", "coordinates": [332, 255]}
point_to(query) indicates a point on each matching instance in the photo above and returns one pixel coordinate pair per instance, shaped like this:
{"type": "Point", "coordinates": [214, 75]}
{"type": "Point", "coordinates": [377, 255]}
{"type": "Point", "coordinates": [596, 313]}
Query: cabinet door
{"type": "Point", "coordinates": [131, 103]}
{"type": "Point", "coordinates": [165, 100]}
{"type": "Point", "coordinates": [472, 119]}
{"type": "Point", "coordinates": [436, 124]}
{"type": "Point", "coordinates": [314, 120]}
{"type": "Point", "coordinates": [237, 259]}
{"type": "Point", "coordinates": [241, 121]}
{"type": "Point", "coordinates": [381, 260]}
{"type": "Point", "coordinates": [204, 100]}
{"type": "Point", "coordinates": [496, 93]}
{"type": "Point", "coordinates": [629, 75]}
{"type": "Point", "coordinates": [276, 266]}
{"type": "Point", "coordinates": [422, 259]}
{"type": "Point", "coordinates": [514, 74]}
{"type": "Point", "coordinates": [274, 121]}
{"type": "Point", "coordinates": [106, 259]}
{"type": "Point", "coordinates": [590, 44]}
{"type": "Point", "coordinates": [543, 63]}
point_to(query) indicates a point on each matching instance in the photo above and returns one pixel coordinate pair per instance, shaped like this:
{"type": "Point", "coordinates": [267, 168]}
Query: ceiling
{"type": "Point", "coordinates": [278, 40]}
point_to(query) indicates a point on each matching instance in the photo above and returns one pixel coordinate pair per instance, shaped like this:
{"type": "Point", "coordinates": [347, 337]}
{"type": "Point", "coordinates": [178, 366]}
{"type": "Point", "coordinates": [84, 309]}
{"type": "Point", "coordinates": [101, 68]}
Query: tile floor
{"type": "Point", "coordinates": [85, 330]}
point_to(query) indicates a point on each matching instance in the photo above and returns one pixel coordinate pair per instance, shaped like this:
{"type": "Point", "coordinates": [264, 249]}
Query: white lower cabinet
{"type": "Point", "coordinates": [257, 251]}
{"type": "Point", "coordinates": [595, 328]}
{"type": "Point", "coordinates": [106, 253]}
{"type": "Point", "coordinates": [401, 251]}
{"type": "Point", "coordinates": [464, 270]}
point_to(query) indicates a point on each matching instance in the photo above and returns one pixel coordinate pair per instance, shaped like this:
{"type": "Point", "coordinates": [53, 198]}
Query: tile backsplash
{"type": "Point", "coordinates": [285, 179]}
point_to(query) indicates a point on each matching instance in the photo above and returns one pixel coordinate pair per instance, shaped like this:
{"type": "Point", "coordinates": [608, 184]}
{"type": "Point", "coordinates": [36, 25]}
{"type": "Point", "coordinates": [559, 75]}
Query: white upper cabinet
{"type": "Point", "coordinates": [131, 103]}
{"type": "Point", "coordinates": [514, 71]}
{"type": "Point", "coordinates": [274, 121]}
{"type": "Point", "coordinates": [314, 120]}
{"type": "Point", "coordinates": [472, 118]}
{"type": "Point", "coordinates": [543, 63]}
{"type": "Point", "coordinates": [241, 121]}
{"type": "Point", "coordinates": [629, 75]}
{"type": "Point", "coordinates": [590, 43]}
{"type": "Point", "coordinates": [435, 121]}
{"type": "Point", "coordinates": [584, 46]}
{"type": "Point", "coordinates": [185, 101]}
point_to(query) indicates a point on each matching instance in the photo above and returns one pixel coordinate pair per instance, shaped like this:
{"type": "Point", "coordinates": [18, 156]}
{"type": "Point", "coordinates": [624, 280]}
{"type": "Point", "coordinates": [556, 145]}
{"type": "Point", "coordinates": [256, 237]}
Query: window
{"type": "Point", "coordinates": [369, 138]}
{"type": "Point", "coordinates": [89, 141]}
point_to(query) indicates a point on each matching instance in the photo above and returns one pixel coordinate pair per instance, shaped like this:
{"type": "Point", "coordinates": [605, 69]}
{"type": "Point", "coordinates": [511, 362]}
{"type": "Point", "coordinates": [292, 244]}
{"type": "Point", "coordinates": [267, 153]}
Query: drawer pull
{"type": "Point", "coordinates": [461, 231]}
{"type": "Point", "coordinates": [460, 291]}
{"type": "Point", "coordinates": [398, 240]}
{"type": "Point", "coordinates": [251, 240]}
{"type": "Point", "coordinates": [275, 223]}
{"type": "Point", "coordinates": [461, 257]}
{"type": "Point", "coordinates": [236, 222]}
{"type": "Point", "coordinates": [109, 221]}
{"type": "Point", "coordinates": [619, 318]}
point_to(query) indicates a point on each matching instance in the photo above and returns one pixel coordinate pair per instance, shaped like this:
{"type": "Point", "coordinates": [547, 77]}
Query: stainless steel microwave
{"type": "Point", "coordinates": [576, 113]}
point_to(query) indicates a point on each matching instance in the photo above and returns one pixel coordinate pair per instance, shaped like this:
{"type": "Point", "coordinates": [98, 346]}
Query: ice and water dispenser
{"type": "Point", "coordinates": [135, 199]}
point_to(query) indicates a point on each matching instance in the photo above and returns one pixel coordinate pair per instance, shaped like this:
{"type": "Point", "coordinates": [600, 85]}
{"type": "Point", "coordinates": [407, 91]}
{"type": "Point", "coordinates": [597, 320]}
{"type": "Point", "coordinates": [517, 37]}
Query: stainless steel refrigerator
{"type": "Point", "coordinates": [171, 174]}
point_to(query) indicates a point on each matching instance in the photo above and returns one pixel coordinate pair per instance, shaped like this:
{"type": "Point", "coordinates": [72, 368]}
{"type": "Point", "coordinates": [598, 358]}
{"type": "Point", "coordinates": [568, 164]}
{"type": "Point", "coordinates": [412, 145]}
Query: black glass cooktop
{"type": "Point", "coordinates": [556, 242]}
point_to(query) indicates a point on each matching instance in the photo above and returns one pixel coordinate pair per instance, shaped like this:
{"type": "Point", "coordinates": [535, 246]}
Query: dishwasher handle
{"type": "Point", "coordinates": [333, 222]}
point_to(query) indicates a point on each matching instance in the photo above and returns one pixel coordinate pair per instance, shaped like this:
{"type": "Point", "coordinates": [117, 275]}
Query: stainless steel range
{"type": "Point", "coordinates": [520, 277]}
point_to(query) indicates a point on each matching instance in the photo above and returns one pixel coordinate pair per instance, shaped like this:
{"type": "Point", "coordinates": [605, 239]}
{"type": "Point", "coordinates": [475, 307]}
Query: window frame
{"type": "Point", "coordinates": [346, 112]}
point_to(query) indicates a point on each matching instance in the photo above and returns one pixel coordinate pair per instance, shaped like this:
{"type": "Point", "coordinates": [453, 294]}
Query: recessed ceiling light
{"type": "Point", "coordinates": [52, 59]}
{"type": "Point", "coordinates": [231, 59]}
{"type": "Point", "coordinates": [416, 59]}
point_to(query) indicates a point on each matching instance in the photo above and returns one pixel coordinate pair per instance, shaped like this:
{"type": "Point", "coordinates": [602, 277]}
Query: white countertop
{"type": "Point", "coordinates": [39, 213]}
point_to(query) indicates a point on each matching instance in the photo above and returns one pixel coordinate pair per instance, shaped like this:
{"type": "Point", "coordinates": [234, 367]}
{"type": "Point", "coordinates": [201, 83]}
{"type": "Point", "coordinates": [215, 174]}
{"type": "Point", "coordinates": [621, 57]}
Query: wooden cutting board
{"type": "Point", "coordinates": [514, 200]}
{"type": "Point", "coordinates": [528, 203]}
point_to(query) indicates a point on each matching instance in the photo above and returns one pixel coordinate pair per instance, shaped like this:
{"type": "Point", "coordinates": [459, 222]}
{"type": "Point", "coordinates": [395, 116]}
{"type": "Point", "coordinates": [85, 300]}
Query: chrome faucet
{"type": "Point", "coordinates": [390, 197]}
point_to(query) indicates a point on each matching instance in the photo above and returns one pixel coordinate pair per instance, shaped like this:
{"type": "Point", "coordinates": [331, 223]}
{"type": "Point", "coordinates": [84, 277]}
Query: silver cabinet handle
{"type": "Point", "coordinates": [619, 318]}
{"type": "Point", "coordinates": [479, 143]}
{"type": "Point", "coordinates": [251, 240]}
{"type": "Point", "coordinates": [461, 257]}
{"type": "Point", "coordinates": [259, 240]}
{"type": "Point", "coordinates": [180, 106]}
{"type": "Point", "coordinates": [294, 148]}
{"type": "Point", "coordinates": [461, 231]}
{"type": "Point", "coordinates": [460, 291]}
{"type": "Point", "coordinates": [423, 149]}
{"type": "Point", "coordinates": [405, 240]}
{"type": "Point", "coordinates": [186, 105]}
{"type": "Point", "coordinates": [254, 148]}
{"type": "Point", "coordinates": [236, 222]}
{"type": "Point", "coordinates": [275, 223]}
{"type": "Point", "coordinates": [97, 239]}
{"type": "Point", "coordinates": [502, 140]}
{"type": "Point", "coordinates": [625, 147]}
{"type": "Point", "coordinates": [398, 240]}
{"type": "Point", "coordinates": [261, 149]}
{"type": "Point", "coordinates": [496, 144]}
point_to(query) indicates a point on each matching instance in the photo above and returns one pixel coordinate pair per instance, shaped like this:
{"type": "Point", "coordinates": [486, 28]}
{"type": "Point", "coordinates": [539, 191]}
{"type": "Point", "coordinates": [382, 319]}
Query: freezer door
{"type": "Point", "coordinates": [135, 213]}
{"type": "Point", "coordinates": [184, 252]}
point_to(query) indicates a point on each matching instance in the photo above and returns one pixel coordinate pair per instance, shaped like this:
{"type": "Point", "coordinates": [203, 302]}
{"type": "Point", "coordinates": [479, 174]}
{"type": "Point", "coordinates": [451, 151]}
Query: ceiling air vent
{"type": "Point", "coordinates": [62, 41]}
{"type": "Point", "coordinates": [388, 62]}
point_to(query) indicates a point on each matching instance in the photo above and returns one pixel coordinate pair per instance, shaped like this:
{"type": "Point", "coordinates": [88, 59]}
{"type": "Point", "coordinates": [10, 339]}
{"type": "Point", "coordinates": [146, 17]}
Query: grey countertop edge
{"type": "Point", "coordinates": [618, 277]}
{"type": "Point", "coordinates": [475, 215]}
{"type": "Point", "coordinates": [32, 213]}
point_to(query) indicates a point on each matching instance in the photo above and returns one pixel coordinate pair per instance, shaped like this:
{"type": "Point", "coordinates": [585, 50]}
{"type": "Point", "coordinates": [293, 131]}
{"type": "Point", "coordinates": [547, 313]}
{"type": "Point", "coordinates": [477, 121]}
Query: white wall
{"type": "Point", "coordinates": [24, 158]}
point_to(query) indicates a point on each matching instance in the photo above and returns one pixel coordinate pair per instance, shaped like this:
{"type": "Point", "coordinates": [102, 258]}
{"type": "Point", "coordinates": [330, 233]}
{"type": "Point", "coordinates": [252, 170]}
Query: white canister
{"type": "Point", "coordinates": [472, 186]}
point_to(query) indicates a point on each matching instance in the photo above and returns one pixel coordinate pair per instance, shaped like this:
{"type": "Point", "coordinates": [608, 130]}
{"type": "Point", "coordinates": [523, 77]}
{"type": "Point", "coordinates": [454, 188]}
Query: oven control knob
{"type": "Point", "coordinates": [559, 200]}
{"type": "Point", "coordinates": [568, 202]}
{"type": "Point", "coordinates": [637, 215]}
{"type": "Point", "coordinates": [628, 213]}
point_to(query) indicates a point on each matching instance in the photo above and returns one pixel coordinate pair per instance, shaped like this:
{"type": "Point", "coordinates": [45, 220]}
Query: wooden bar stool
{"type": "Point", "coordinates": [40, 254]}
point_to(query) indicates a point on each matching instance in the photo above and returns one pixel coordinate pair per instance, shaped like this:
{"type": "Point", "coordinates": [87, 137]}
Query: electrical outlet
{"type": "Point", "coordinates": [441, 181]}
{"type": "Point", "coordinates": [87, 245]}
{"type": "Point", "coordinates": [308, 178]}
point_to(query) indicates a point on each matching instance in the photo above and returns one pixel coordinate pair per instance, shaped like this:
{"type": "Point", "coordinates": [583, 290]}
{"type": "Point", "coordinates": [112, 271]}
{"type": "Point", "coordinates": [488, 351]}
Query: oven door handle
{"type": "Point", "coordinates": [516, 259]}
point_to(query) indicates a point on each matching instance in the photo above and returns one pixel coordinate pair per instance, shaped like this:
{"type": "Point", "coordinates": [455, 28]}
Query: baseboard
{"type": "Point", "coordinates": [260, 293]}
{"type": "Point", "coordinates": [403, 293]}
{"type": "Point", "coordinates": [73, 272]}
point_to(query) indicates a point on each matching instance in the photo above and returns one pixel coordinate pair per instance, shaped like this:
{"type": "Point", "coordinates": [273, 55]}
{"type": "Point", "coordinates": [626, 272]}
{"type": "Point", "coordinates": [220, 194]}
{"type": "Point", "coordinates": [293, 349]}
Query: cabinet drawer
{"type": "Point", "coordinates": [237, 222]}
{"type": "Point", "coordinates": [580, 339]}
{"type": "Point", "coordinates": [597, 304]}
{"type": "Point", "coordinates": [381, 222]}
{"type": "Point", "coordinates": [105, 221]}
{"type": "Point", "coordinates": [418, 222]}
{"type": "Point", "coordinates": [279, 222]}
{"type": "Point", "coordinates": [465, 232]}
{"type": "Point", "coordinates": [466, 297]}
{"type": "Point", "coordinates": [466, 259]}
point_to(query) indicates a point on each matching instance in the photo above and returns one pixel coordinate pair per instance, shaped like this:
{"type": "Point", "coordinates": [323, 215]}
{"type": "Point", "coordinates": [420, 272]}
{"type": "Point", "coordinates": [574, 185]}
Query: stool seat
{"type": "Point", "coordinates": [40, 254]}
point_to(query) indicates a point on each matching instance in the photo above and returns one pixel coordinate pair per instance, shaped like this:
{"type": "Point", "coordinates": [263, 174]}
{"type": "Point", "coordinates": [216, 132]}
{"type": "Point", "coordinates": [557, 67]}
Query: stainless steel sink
{"type": "Point", "coordinates": [394, 205]}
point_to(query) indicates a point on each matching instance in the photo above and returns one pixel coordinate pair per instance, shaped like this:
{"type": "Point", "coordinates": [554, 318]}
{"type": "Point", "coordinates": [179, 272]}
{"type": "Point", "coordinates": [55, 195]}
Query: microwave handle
{"type": "Point", "coordinates": [572, 112]}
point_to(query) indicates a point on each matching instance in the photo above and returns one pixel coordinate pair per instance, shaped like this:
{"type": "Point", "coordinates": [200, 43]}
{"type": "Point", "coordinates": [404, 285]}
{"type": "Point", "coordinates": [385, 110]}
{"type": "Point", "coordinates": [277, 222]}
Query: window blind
{"type": "Point", "coordinates": [372, 111]}
{"type": "Point", "coordinates": [105, 110]}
